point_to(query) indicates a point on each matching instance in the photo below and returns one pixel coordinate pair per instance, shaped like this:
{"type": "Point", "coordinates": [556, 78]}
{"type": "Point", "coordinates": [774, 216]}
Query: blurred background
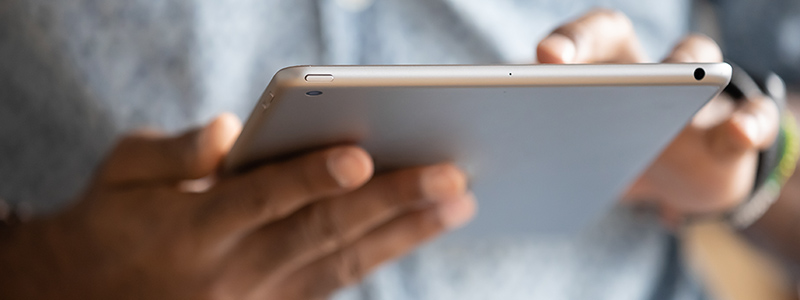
{"type": "Point", "coordinates": [760, 36]}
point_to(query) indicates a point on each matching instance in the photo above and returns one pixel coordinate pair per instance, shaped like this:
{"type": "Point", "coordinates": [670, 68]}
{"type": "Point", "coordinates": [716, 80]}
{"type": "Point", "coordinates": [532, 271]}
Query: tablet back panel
{"type": "Point", "coordinates": [544, 156]}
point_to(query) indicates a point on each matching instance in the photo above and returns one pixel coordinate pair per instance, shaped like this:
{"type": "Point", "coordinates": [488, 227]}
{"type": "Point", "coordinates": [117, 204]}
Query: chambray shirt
{"type": "Point", "coordinates": [76, 74]}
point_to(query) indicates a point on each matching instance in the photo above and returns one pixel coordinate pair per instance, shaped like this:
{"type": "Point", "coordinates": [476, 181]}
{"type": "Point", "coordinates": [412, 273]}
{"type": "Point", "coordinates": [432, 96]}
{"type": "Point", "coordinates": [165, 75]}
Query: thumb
{"type": "Point", "coordinates": [149, 156]}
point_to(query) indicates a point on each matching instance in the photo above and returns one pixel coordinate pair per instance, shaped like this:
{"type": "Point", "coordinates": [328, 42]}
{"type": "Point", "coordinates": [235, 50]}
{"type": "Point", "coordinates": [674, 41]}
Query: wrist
{"type": "Point", "coordinates": [775, 163]}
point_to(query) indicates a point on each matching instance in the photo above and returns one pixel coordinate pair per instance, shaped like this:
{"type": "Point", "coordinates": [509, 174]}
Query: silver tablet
{"type": "Point", "coordinates": [549, 148]}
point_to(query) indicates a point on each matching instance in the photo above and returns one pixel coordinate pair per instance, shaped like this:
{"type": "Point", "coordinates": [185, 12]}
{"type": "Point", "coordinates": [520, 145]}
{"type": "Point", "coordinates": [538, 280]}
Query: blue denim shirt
{"type": "Point", "coordinates": [76, 74]}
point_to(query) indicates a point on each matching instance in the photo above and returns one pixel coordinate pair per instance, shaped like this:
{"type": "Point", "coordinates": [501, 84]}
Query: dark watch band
{"type": "Point", "coordinates": [745, 86]}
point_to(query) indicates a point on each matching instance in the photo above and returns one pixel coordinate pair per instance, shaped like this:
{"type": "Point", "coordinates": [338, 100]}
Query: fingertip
{"type": "Point", "coordinates": [227, 124]}
{"type": "Point", "coordinates": [213, 143]}
{"type": "Point", "coordinates": [350, 166]}
{"type": "Point", "coordinates": [556, 49]}
{"type": "Point", "coordinates": [455, 214]}
{"type": "Point", "coordinates": [443, 181]}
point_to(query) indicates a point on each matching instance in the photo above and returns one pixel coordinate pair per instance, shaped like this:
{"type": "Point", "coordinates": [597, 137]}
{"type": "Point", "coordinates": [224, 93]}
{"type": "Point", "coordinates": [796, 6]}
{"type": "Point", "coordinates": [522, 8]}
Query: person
{"type": "Point", "coordinates": [149, 219]}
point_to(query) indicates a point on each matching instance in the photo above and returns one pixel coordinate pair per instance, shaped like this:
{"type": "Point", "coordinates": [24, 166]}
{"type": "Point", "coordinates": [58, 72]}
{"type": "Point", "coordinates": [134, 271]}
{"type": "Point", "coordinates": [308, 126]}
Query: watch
{"type": "Point", "coordinates": [776, 163]}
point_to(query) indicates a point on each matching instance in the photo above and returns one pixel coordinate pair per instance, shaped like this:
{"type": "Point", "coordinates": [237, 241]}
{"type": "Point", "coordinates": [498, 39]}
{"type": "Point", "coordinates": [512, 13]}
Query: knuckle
{"type": "Point", "coordinates": [308, 174]}
{"type": "Point", "coordinates": [338, 270]}
{"type": "Point", "coordinates": [395, 195]}
{"type": "Point", "coordinates": [406, 188]}
{"type": "Point", "coordinates": [257, 200]}
{"type": "Point", "coordinates": [306, 179]}
{"type": "Point", "coordinates": [348, 268]}
{"type": "Point", "coordinates": [248, 201]}
{"type": "Point", "coordinates": [318, 227]}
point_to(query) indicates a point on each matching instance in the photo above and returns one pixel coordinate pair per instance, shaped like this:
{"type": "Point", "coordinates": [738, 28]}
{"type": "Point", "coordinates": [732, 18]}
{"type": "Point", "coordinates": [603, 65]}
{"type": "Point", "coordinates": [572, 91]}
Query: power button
{"type": "Point", "coordinates": [319, 78]}
{"type": "Point", "coordinates": [265, 103]}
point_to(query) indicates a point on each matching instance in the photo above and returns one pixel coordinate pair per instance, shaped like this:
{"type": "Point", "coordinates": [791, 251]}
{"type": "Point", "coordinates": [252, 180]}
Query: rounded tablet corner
{"type": "Point", "coordinates": [290, 76]}
{"type": "Point", "coordinates": [726, 71]}
{"type": "Point", "coordinates": [714, 73]}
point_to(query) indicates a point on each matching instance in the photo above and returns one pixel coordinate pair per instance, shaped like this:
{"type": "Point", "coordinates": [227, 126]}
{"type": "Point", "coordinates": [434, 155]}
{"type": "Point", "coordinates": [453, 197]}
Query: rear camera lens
{"type": "Point", "coordinates": [699, 74]}
{"type": "Point", "coordinates": [314, 93]}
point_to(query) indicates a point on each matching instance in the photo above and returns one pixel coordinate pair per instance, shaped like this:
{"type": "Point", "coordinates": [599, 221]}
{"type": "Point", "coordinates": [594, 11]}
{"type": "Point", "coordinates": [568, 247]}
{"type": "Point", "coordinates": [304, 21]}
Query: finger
{"type": "Point", "coordinates": [695, 48]}
{"type": "Point", "coordinates": [325, 226]}
{"type": "Point", "coordinates": [148, 156]}
{"type": "Point", "coordinates": [640, 191]}
{"type": "Point", "coordinates": [390, 241]}
{"type": "Point", "coordinates": [767, 119]}
{"type": "Point", "coordinates": [273, 192]}
{"type": "Point", "coordinates": [671, 218]}
{"type": "Point", "coordinates": [752, 126]}
{"type": "Point", "coordinates": [601, 36]}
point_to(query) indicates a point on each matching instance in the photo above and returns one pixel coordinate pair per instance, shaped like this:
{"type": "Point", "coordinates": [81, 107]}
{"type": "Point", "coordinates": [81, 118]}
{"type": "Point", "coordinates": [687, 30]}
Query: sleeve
{"type": "Point", "coordinates": [51, 133]}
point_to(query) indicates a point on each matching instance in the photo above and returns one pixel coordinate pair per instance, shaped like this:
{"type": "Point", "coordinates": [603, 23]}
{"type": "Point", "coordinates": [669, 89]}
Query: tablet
{"type": "Point", "coordinates": [548, 148]}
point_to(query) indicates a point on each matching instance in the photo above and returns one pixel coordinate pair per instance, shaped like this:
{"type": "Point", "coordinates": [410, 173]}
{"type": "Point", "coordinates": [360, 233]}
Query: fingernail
{"type": "Point", "coordinates": [347, 167]}
{"type": "Point", "coordinates": [562, 45]}
{"type": "Point", "coordinates": [442, 182]}
{"type": "Point", "coordinates": [456, 213]}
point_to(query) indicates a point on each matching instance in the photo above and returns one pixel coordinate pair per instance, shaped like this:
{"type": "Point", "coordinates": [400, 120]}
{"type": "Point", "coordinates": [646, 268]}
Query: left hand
{"type": "Point", "coordinates": [710, 166]}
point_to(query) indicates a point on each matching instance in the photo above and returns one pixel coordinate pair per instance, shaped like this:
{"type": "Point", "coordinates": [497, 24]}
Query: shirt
{"type": "Point", "coordinates": [75, 75]}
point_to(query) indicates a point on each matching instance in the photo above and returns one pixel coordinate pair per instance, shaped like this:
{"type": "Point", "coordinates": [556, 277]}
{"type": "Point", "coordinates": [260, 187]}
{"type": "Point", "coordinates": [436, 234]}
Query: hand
{"type": "Point", "coordinates": [710, 166]}
{"type": "Point", "coordinates": [297, 229]}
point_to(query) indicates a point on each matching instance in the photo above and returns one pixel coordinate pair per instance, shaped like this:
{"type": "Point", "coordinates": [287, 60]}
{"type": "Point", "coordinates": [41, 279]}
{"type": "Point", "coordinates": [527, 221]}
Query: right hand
{"type": "Point", "coordinates": [709, 168]}
{"type": "Point", "coordinates": [298, 229]}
